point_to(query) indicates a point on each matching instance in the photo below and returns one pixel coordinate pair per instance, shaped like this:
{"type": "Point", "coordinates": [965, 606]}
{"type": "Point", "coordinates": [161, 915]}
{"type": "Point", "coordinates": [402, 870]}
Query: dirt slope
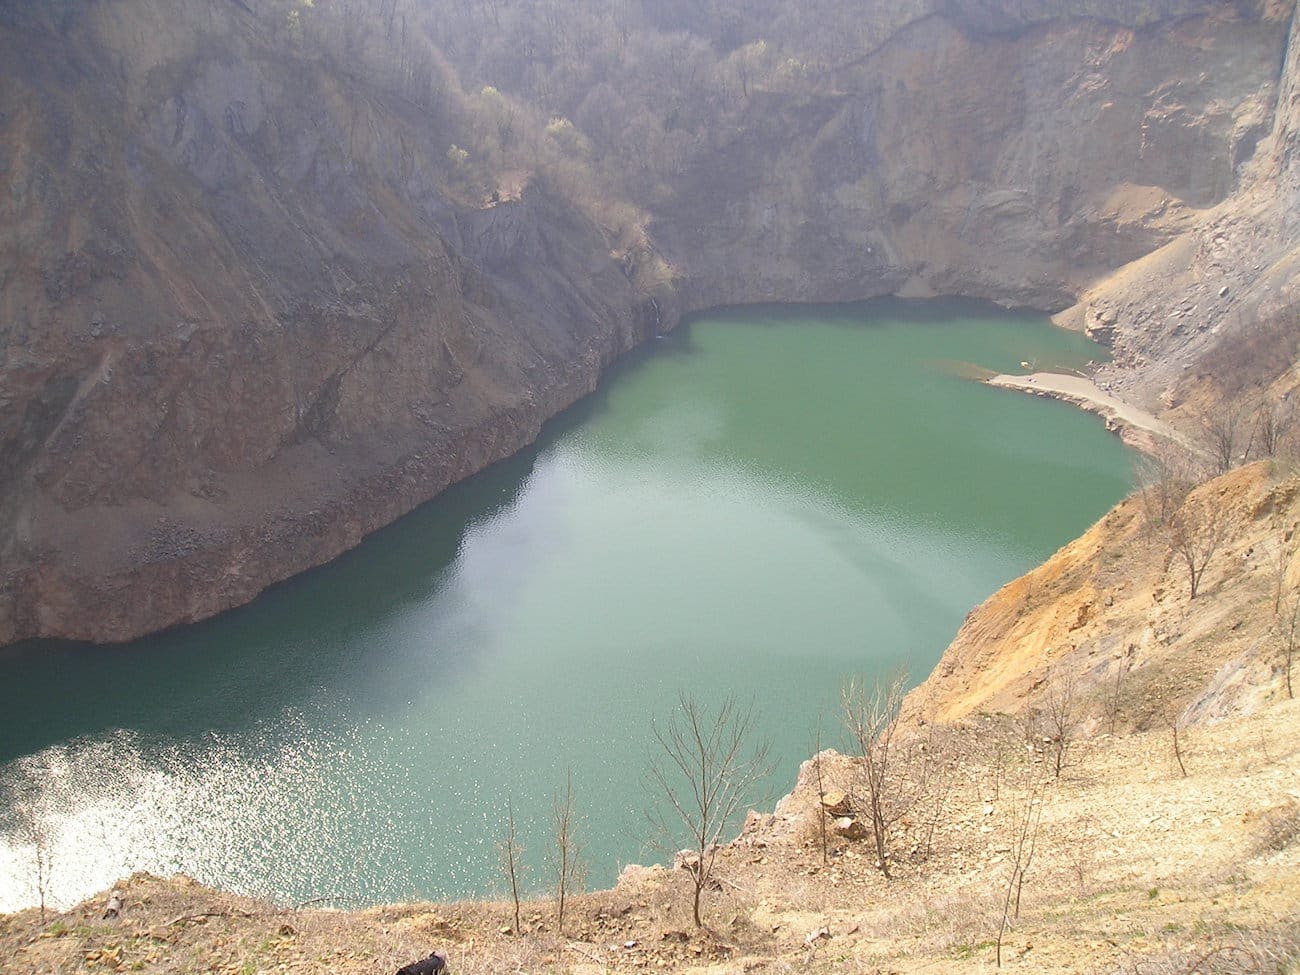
{"type": "Point", "coordinates": [1112, 609]}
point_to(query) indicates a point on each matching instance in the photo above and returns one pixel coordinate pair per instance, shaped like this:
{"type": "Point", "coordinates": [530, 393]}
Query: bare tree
{"type": "Point", "coordinates": [31, 829]}
{"type": "Point", "coordinates": [1164, 480]}
{"type": "Point", "coordinates": [1283, 552]}
{"type": "Point", "coordinates": [706, 770]}
{"type": "Point", "coordinates": [1175, 725]}
{"type": "Point", "coordinates": [1287, 623]}
{"type": "Point", "coordinates": [43, 863]}
{"type": "Point", "coordinates": [1116, 690]}
{"type": "Point", "coordinates": [567, 863]}
{"type": "Point", "coordinates": [510, 853]}
{"type": "Point", "coordinates": [933, 770]}
{"type": "Point", "coordinates": [1195, 534]}
{"type": "Point", "coordinates": [821, 793]}
{"type": "Point", "coordinates": [1221, 432]}
{"type": "Point", "coordinates": [1060, 716]}
{"type": "Point", "coordinates": [870, 717]}
{"type": "Point", "coordinates": [1272, 424]}
{"type": "Point", "coordinates": [1026, 817]}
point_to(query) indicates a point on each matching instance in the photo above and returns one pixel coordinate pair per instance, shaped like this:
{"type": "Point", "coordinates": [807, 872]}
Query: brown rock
{"type": "Point", "coordinates": [836, 804]}
{"type": "Point", "coordinates": [850, 828]}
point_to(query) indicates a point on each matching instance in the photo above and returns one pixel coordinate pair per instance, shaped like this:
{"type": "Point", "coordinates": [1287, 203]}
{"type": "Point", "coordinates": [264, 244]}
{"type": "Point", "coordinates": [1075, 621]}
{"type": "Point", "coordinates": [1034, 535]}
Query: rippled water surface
{"type": "Point", "coordinates": [766, 502]}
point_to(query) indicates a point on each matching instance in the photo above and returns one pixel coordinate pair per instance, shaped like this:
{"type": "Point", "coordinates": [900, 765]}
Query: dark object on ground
{"type": "Point", "coordinates": [432, 965]}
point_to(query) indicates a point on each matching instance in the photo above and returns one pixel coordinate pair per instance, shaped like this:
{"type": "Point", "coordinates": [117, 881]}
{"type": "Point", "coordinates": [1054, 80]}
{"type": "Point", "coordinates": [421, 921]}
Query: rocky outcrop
{"type": "Point", "coordinates": [257, 300]}
{"type": "Point", "coordinates": [1188, 314]}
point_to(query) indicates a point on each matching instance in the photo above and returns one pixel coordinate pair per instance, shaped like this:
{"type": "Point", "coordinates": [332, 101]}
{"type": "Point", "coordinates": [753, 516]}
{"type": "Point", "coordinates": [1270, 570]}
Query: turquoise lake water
{"type": "Point", "coordinates": [766, 502]}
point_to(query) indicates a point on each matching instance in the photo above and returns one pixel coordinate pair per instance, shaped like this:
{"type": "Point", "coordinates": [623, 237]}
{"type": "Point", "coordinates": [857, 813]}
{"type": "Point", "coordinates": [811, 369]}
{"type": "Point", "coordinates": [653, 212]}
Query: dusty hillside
{"type": "Point", "coordinates": [1112, 611]}
{"type": "Point", "coordinates": [273, 273]}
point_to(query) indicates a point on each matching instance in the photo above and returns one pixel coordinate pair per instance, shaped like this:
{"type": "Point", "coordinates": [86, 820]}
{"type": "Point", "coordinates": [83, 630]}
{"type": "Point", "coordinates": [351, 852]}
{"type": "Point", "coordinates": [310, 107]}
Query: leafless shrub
{"type": "Point", "coordinates": [1272, 425]}
{"type": "Point", "coordinates": [569, 869]}
{"type": "Point", "coordinates": [821, 795]}
{"type": "Point", "coordinates": [1286, 629]}
{"type": "Point", "coordinates": [1222, 434]}
{"type": "Point", "coordinates": [22, 813]}
{"type": "Point", "coordinates": [1283, 552]}
{"type": "Point", "coordinates": [1196, 533]}
{"type": "Point", "coordinates": [510, 853]}
{"type": "Point", "coordinates": [1060, 716]}
{"type": "Point", "coordinates": [870, 718]}
{"type": "Point", "coordinates": [707, 769]}
{"type": "Point", "coordinates": [1115, 691]}
{"type": "Point", "coordinates": [1164, 480]}
{"type": "Point", "coordinates": [998, 745]}
{"type": "Point", "coordinates": [1026, 817]}
{"type": "Point", "coordinates": [1175, 724]}
{"type": "Point", "coordinates": [931, 766]}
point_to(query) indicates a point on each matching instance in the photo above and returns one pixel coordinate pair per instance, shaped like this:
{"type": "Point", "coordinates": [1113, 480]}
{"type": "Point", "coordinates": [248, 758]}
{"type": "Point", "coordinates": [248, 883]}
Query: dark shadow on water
{"type": "Point", "coordinates": [302, 644]}
{"type": "Point", "coordinates": [886, 310]}
{"type": "Point", "coordinates": [331, 642]}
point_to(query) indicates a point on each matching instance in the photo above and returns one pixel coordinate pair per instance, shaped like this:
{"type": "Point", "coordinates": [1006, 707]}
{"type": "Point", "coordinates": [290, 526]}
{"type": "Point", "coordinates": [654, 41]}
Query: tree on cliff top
{"type": "Point", "coordinates": [870, 716]}
{"type": "Point", "coordinates": [707, 769]}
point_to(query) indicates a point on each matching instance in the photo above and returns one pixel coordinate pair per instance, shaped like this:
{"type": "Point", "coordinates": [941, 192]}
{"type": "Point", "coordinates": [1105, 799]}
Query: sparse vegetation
{"type": "Point", "coordinates": [568, 866]}
{"type": "Point", "coordinates": [1286, 629]}
{"type": "Point", "coordinates": [1026, 852]}
{"type": "Point", "coordinates": [870, 716]}
{"type": "Point", "coordinates": [1164, 479]}
{"type": "Point", "coordinates": [1222, 435]}
{"type": "Point", "coordinates": [510, 853]}
{"type": "Point", "coordinates": [1026, 818]}
{"type": "Point", "coordinates": [1175, 726]}
{"type": "Point", "coordinates": [822, 836]}
{"type": "Point", "coordinates": [1060, 717]}
{"type": "Point", "coordinates": [706, 769]}
{"type": "Point", "coordinates": [1271, 428]}
{"type": "Point", "coordinates": [1196, 532]}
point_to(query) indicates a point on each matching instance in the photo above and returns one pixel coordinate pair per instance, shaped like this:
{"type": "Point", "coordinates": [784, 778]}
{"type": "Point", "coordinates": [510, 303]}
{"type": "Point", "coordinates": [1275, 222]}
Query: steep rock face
{"type": "Point", "coordinates": [1216, 305]}
{"type": "Point", "coordinates": [242, 323]}
{"type": "Point", "coordinates": [250, 309]}
{"type": "Point", "coordinates": [981, 154]}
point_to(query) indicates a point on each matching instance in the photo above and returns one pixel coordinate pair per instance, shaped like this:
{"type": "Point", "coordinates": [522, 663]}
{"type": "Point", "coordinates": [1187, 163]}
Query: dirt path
{"type": "Point", "coordinates": [1136, 426]}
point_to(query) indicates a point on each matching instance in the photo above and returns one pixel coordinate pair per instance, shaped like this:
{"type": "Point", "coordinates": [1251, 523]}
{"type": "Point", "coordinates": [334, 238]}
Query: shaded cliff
{"type": "Point", "coordinates": [274, 273]}
{"type": "Point", "coordinates": [247, 316]}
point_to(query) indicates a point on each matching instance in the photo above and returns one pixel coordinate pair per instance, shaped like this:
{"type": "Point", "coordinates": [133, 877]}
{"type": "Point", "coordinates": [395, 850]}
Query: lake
{"type": "Point", "coordinates": [764, 503]}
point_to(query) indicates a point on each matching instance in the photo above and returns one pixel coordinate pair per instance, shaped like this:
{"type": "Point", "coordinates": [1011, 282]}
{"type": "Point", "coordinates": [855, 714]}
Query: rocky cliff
{"type": "Point", "coordinates": [1018, 159]}
{"type": "Point", "coordinates": [246, 320]}
{"type": "Point", "coordinates": [273, 273]}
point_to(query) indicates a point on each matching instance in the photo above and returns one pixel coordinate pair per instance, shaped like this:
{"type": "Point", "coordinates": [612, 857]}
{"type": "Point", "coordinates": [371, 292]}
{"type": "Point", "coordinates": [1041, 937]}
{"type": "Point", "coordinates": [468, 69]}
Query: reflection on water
{"type": "Point", "coordinates": [98, 810]}
{"type": "Point", "coordinates": [765, 503]}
